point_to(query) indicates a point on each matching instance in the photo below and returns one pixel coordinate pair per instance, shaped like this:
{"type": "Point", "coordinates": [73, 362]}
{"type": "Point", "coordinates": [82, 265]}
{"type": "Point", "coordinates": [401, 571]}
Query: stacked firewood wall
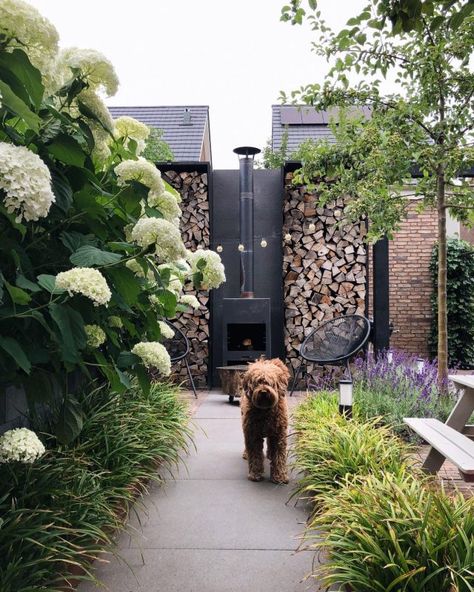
{"type": "Point", "coordinates": [193, 188]}
{"type": "Point", "coordinates": [324, 267]}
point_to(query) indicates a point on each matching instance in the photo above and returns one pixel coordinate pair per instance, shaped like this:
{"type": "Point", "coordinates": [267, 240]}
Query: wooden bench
{"type": "Point", "coordinates": [450, 443]}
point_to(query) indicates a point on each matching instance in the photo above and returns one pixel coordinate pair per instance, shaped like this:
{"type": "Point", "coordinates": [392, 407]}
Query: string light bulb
{"type": "Point", "coordinates": [312, 227]}
{"type": "Point", "coordinates": [287, 237]}
{"type": "Point", "coordinates": [219, 248]}
{"type": "Point", "coordinates": [263, 243]}
{"type": "Point", "coordinates": [241, 247]}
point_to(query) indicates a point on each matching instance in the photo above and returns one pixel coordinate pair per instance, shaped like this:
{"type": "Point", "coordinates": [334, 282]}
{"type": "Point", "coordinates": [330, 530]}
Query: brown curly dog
{"type": "Point", "coordinates": [265, 415]}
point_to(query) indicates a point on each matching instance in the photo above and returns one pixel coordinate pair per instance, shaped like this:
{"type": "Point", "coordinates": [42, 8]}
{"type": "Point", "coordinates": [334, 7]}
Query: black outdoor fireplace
{"type": "Point", "coordinates": [247, 333]}
{"type": "Point", "coordinates": [246, 320]}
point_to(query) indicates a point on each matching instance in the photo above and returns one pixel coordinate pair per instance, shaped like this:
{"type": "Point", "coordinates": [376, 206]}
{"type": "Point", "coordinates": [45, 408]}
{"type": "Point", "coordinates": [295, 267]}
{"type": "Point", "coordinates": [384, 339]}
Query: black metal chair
{"type": "Point", "coordinates": [334, 342]}
{"type": "Point", "coordinates": [178, 348]}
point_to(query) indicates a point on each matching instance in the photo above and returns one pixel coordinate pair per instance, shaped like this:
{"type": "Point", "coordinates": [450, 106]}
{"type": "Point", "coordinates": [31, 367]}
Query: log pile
{"type": "Point", "coordinates": [324, 267]}
{"type": "Point", "coordinates": [193, 188]}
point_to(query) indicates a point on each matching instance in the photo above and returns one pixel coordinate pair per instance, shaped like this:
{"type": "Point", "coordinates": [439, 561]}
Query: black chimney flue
{"type": "Point", "coordinates": [246, 156]}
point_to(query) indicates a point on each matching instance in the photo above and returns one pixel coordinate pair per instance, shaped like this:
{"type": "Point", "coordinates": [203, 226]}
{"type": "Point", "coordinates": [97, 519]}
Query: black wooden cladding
{"type": "Point", "coordinates": [268, 262]}
{"type": "Point", "coordinates": [381, 301]}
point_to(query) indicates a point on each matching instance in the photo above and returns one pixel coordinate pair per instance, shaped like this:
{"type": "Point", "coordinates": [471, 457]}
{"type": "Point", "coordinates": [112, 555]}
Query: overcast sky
{"type": "Point", "coordinates": [233, 56]}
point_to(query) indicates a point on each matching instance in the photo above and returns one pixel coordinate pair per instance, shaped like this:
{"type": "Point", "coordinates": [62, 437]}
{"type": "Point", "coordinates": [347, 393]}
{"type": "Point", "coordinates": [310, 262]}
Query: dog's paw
{"type": "Point", "coordinates": [244, 455]}
{"type": "Point", "coordinates": [253, 477]}
{"type": "Point", "coordinates": [280, 479]}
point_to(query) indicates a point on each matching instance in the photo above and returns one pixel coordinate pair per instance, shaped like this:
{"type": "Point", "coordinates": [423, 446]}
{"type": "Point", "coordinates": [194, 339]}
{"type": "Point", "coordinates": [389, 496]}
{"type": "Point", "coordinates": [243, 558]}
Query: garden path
{"type": "Point", "coordinates": [212, 530]}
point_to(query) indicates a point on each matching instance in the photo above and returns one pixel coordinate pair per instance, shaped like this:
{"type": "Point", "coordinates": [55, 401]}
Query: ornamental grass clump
{"type": "Point", "coordinates": [62, 509]}
{"type": "Point", "coordinates": [394, 532]}
{"type": "Point", "coordinates": [392, 390]}
{"type": "Point", "coordinates": [329, 449]}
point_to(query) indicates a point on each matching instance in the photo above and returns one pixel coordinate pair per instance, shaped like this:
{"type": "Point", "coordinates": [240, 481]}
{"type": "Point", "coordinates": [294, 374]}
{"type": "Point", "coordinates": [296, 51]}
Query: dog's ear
{"type": "Point", "coordinates": [284, 372]}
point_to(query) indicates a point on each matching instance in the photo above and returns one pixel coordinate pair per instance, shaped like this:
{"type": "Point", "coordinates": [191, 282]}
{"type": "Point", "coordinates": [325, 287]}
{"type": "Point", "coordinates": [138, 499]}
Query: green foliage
{"type": "Point", "coordinates": [156, 149]}
{"type": "Point", "coordinates": [379, 522]}
{"type": "Point", "coordinates": [406, 16]}
{"type": "Point", "coordinates": [61, 510]}
{"type": "Point", "coordinates": [42, 337]}
{"type": "Point", "coordinates": [391, 532]}
{"type": "Point", "coordinates": [274, 159]}
{"type": "Point", "coordinates": [460, 299]}
{"type": "Point", "coordinates": [429, 122]}
{"type": "Point", "coordinates": [329, 449]}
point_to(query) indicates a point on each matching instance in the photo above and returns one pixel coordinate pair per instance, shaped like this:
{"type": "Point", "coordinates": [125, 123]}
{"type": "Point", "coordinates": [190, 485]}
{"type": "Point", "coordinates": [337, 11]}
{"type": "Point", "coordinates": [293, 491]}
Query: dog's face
{"type": "Point", "coordinates": [265, 382]}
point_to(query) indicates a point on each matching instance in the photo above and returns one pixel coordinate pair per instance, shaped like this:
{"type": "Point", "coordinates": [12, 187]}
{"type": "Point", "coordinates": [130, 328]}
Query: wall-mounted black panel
{"type": "Point", "coordinates": [268, 188]}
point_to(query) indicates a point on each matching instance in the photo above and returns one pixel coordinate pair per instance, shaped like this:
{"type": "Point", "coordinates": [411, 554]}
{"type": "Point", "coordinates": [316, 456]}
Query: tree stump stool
{"type": "Point", "coordinates": [231, 380]}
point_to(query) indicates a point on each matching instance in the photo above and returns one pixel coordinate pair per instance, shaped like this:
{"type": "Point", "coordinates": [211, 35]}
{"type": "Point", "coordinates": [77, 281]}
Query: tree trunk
{"type": "Point", "coordinates": [442, 286]}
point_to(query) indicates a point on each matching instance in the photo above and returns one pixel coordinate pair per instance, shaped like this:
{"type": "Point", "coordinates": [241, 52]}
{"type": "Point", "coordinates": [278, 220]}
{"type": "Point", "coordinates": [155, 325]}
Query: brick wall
{"type": "Point", "coordinates": [410, 281]}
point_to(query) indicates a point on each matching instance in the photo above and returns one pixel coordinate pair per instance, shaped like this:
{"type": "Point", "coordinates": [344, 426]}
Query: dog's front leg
{"type": "Point", "coordinates": [278, 468]}
{"type": "Point", "coordinates": [254, 448]}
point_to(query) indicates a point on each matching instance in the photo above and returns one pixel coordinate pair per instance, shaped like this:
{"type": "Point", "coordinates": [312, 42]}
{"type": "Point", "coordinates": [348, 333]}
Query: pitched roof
{"type": "Point", "coordinates": [302, 123]}
{"type": "Point", "coordinates": [184, 135]}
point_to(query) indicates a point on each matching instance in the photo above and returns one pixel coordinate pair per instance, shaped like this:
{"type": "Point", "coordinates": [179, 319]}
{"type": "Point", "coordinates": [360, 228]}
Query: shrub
{"type": "Point", "coordinates": [394, 532]}
{"type": "Point", "coordinates": [62, 509]}
{"type": "Point", "coordinates": [392, 391]}
{"type": "Point", "coordinates": [91, 255]}
{"type": "Point", "coordinates": [460, 299]}
{"type": "Point", "coordinates": [329, 449]}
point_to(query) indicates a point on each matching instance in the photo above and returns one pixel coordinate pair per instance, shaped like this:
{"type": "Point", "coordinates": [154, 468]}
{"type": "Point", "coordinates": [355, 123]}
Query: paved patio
{"type": "Point", "coordinates": [212, 530]}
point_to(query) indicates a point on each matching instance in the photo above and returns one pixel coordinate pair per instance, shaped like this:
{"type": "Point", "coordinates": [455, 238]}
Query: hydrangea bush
{"type": "Point", "coordinates": [20, 445]}
{"type": "Point", "coordinates": [91, 257]}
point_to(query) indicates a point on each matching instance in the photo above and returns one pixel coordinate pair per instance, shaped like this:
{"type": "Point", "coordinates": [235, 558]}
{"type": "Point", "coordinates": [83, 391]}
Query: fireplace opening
{"type": "Point", "coordinates": [246, 337]}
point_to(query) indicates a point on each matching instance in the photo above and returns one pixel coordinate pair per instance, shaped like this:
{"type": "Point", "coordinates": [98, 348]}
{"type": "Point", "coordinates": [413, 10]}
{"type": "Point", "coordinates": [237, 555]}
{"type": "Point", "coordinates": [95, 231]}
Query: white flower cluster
{"type": "Point", "coordinates": [93, 66]}
{"type": "Point", "coordinates": [165, 330]}
{"type": "Point", "coordinates": [115, 321]}
{"type": "Point", "coordinates": [158, 197]}
{"type": "Point", "coordinates": [130, 128]}
{"type": "Point", "coordinates": [99, 109]}
{"type": "Point", "coordinates": [86, 281]}
{"type": "Point", "coordinates": [177, 277]}
{"type": "Point", "coordinates": [213, 272]}
{"type": "Point", "coordinates": [95, 335]}
{"type": "Point", "coordinates": [142, 171]}
{"type": "Point", "coordinates": [163, 234]}
{"type": "Point", "coordinates": [137, 269]}
{"type": "Point", "coordinates": [24, 27]}
{"type": "Point", "coordinates": [167, 205]}
{"type": "Point", "coordinates": [20, 445]}
{"type": "Point", "coordinates": [190, 300]}
{"type": "Point", "coordinates": [153, 355]}
{"type": "Point", "coordinates": [26, 181]}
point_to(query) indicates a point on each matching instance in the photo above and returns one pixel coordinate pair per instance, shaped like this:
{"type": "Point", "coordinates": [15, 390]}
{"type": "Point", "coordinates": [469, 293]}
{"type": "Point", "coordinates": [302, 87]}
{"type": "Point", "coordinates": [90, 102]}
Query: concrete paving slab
{"type": "Point", "coordinates": [206, 571]}
{"type": "Point", "coordinates": [217, 406]}
{"type": "Point", "coordinates": [220, 514]}
{"type": "Point", "coordinates": [212, 530]}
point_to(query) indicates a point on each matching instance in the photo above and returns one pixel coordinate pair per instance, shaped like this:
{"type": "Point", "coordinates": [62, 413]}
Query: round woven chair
{"type": "Point", "coordinates": [334, 342]}
{"type": "Point", "coordinates": [178, 348]}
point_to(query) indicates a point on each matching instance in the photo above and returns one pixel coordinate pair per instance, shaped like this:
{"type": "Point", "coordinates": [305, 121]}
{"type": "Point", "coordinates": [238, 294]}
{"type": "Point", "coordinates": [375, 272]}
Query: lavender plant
{"type": "Point", "coordinates": [392, 387]}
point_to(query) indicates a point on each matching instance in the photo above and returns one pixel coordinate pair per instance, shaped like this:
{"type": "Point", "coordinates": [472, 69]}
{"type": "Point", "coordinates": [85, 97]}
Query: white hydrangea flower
{"type": "Point", "coordinates": [166, 204]}
{"type": "Point", "coordinates": [94, 67]}
{"type": "Point", "coordinates": [26, 181]}
{"type": "Point", "coordinates": [128, 127]}
{"type": "Point", "coordinates": [177, 277]}
{"type": "Point", "coordinates": [97, 106]}
{"type": "Point", "coordinates": [213, 273]}
{"type": "Point", "coordinates": [115, 321]}
{"type": "Point", "coordinates": [95, 335]}
{"type": "Point", "coordinates": [142, 171]}
{"type": "Point", "coordinates": [20, 445]}
{"type": "Point", "coordinates": [86, 281]}
{"type": "Point", "coordinates": [163, 234]}
{"type": "Point", "coordinates": [153, 355]}
{"type": "Point", "coordinates": [190, 300]}
{"type": "Point", "coordinates": [137, 269]}
{"type": "Point", "coordinates": [25, 28]}
{"type": "Point", "coordinates": [165, 330]}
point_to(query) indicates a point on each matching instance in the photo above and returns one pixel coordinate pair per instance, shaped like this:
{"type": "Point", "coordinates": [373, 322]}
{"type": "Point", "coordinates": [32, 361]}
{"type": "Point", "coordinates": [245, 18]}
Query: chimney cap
{"type": "Point", "coordinates": [247, 150]}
